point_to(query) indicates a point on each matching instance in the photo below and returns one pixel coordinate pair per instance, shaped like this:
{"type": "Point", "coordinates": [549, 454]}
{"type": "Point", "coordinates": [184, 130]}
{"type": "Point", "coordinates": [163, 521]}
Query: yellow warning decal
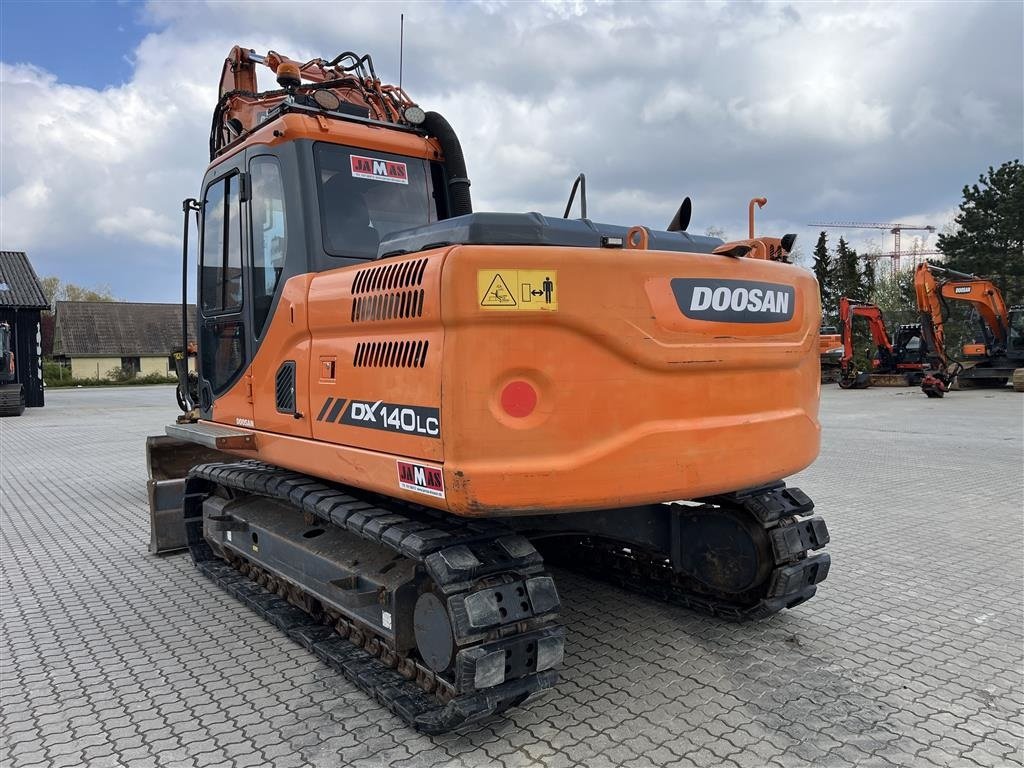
{"type": "Point", "coordinates": [531, 290]}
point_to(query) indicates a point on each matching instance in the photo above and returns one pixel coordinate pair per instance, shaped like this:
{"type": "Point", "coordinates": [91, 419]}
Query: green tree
{"type": "Point", "coordinates": [848, 279]}
{"type": "Point", "coordinates": [56, 290]}
{"type": "Point", "coordinates": [824, 270]}
{"type": "Point", "coordinates": [988, 237]}
{"type": "Point", "coordinates": [869, 277]}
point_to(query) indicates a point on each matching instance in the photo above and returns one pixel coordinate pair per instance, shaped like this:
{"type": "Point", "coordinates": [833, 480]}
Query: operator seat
{"type": "Point", "coordinates": [347, 226]}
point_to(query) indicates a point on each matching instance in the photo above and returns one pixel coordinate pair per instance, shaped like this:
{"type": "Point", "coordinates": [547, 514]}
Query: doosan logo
{"type": "Point", "coordinates": [962, 289]}
{"type": "Point", "coordinates": [734, 301]}
{"type": "Point", "coordinates": [753, 299]}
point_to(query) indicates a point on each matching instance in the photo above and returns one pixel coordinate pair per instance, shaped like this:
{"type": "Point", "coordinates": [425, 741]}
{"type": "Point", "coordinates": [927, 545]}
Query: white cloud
{"type": "Point", "coordinates": [139, 223]}
{"type": "Point", "coordinates": [833, 111]}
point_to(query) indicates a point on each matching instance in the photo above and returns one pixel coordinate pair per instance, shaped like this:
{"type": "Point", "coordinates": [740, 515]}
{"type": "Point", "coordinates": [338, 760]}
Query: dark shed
{"type": "Point", "coordinates": [21, 301]}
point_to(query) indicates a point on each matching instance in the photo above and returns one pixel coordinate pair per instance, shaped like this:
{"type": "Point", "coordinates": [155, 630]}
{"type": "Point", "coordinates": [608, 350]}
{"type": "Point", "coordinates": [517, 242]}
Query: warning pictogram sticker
{"type": "Point", "coordinates": [497, 293]}
{"type": "Point", "coordinates": [531, 290]}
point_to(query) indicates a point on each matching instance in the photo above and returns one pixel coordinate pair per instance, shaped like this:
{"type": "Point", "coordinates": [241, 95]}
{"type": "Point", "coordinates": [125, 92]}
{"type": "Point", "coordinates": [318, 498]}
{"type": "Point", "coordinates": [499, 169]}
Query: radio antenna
{"type": "Point", "coordinates": [401, 48]}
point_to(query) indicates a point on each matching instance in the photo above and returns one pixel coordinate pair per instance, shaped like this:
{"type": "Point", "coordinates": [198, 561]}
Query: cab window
{"type": "Point", "coordinates": [222, 338]}
{"type": "Point", "coordinates": [365, 195]}
{"type": "Point", "coordinates": [221, 270]}
{"type": "Point", "coordinates": [269, 236]}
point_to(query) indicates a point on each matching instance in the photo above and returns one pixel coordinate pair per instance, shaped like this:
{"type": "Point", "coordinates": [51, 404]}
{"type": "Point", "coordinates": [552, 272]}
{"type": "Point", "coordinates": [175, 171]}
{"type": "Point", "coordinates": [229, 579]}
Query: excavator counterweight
{"type": "Point", "coordinates": [402, 407]}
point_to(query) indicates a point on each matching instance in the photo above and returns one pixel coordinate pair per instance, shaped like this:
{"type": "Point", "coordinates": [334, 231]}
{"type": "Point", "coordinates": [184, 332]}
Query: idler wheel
{"type": "Point", "coordinates": [728, 552]}
{"type": "Point", "coordinates": [433, 632]}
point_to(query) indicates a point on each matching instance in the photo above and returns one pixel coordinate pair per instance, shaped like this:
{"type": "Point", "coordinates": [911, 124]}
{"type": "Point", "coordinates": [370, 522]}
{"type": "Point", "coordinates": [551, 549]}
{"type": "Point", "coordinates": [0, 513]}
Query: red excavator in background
{"type": "Point", "coordinates": [997, 353]}
{"type": "Point", "coordinates": [899, 362]}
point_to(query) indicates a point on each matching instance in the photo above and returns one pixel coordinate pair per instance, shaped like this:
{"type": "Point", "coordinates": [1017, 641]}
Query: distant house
{"type": "Point", "coordinates": [21, 301]}
{"type": "Point", "coordinates": [98, 337]}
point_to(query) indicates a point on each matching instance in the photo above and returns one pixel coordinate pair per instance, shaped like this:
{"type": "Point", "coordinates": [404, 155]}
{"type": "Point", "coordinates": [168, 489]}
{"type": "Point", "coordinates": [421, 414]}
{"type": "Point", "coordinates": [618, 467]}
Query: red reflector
{"type": "Point", "coordinates": [518, 399]}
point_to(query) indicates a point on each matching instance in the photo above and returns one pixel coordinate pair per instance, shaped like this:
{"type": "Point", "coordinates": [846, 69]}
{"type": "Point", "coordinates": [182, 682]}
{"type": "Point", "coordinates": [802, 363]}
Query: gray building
{"type": "Point", "coordinates": [98, 337]}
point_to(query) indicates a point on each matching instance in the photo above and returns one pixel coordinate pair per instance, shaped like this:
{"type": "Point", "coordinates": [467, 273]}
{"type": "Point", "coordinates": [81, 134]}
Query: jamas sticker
{"type": "Point", "coordinates": [421, 479]}
{"type": "Point", "coordinates": [379, 170]}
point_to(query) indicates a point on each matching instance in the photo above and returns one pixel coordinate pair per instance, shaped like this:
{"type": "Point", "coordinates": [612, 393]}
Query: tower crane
{"type": "Point", "coordinates": [894, 228]}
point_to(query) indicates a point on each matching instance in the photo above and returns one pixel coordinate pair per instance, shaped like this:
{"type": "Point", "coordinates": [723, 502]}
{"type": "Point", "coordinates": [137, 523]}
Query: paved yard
{"type": "Point", "coordinates": [911, 654]}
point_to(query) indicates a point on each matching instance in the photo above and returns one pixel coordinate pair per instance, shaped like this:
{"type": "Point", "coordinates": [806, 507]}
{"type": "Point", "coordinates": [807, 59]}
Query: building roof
{"type": "Point", "coordinates": [119, 328]}
{"type": "Point", "coordinates": [19, 285]}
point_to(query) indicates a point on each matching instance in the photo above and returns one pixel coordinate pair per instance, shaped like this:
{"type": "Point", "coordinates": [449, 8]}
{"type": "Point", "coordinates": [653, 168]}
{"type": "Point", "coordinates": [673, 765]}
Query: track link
{"type": "Point", "coordinates": [503, 606]}
{"type": "Point", "coordinates": [774, 509]}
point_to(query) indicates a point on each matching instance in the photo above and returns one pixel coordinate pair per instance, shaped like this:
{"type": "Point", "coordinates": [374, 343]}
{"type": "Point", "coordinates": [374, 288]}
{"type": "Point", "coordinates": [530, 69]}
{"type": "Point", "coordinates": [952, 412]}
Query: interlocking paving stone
{"type": "Point", "coordinates": [911, 654]}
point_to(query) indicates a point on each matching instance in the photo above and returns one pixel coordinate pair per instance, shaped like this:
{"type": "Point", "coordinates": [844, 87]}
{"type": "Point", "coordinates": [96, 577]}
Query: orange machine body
{"type": "Point", "coordinates": [634, 402]}
{"type": "Point", "coordinates": [829, 342]}
{"type": "Point", "coordinates": [411, 383]}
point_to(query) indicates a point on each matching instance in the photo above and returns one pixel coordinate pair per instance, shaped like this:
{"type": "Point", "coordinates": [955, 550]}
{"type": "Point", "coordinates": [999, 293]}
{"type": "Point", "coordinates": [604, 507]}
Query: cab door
{"type": "Point", "coordinates": [278, 281]}
{"type": "Point", "coordinates": [225, 389]}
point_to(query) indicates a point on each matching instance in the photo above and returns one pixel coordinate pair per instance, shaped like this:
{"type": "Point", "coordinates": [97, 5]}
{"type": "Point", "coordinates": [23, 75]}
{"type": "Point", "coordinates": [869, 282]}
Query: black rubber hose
{"type": "Point", "coordinates": [458, 179]}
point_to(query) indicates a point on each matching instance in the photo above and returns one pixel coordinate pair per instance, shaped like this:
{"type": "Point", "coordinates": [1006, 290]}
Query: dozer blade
{"type": "Point", "coordinates": [168, 461]}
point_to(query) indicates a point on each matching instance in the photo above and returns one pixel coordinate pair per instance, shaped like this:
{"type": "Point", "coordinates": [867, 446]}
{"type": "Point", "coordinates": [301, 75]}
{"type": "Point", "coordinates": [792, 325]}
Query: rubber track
{"type": "Point", "coordinates": [412, 532]}
{"type": "Point", "coordinates": [12, 400]}
{"type": "Point", "coordinates": [793, 581]}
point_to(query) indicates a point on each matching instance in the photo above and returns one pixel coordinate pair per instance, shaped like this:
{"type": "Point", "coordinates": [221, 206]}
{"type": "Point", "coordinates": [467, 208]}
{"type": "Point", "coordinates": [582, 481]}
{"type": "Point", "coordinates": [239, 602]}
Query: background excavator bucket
{"type": "Point", "coordinates": [168, 461]}
{"type": "Point", "coordinates": [933, 386]}
{"type": "Point", "coordinates": [860, 381]}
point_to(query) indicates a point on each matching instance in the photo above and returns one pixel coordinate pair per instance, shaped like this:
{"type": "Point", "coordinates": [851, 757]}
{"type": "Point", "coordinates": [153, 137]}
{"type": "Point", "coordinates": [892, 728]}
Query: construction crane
{"type": "Point", "coordinates": [894, 255]}
{"type": "Point", "coordinates": [894, 228]}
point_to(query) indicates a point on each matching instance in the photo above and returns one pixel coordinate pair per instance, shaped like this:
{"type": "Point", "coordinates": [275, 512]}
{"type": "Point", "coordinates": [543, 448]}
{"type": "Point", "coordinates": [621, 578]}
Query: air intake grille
{"type": "Point", "coordinates": [388, 277]}
{"type": "Point", "coordinates": [389, 292]}
{"type": "Point", "coordinates": [387, 306]}
{"type": "Point", "coordinates": [391, 354]}
{"type": "Point", "coordinates": [284, 387]}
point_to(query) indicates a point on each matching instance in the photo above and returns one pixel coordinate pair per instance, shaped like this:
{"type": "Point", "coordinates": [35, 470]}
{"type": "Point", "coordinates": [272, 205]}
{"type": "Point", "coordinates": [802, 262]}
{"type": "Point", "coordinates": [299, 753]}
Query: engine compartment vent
{"type": "Point", "coordinates": [391, 354]}
{"type": "Point", "coordinates": [389, 292]}
{"type": "Point", "coordinates": [284, 387]}
{"type": "Point", "coordinates": [388, 306]}
{"type": "Point", "coordinates": [388, 277]}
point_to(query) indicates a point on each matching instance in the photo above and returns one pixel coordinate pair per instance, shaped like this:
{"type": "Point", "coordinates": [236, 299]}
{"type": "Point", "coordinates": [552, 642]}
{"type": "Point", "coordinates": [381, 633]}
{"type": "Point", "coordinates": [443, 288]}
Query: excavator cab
{"type": "Point", "coordinates": [1015, 343]}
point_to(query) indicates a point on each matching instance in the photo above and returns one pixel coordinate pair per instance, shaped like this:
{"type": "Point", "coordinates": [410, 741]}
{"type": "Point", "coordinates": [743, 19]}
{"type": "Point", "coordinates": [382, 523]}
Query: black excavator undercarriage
{"type": "Point", "coordinates": [448, 620]}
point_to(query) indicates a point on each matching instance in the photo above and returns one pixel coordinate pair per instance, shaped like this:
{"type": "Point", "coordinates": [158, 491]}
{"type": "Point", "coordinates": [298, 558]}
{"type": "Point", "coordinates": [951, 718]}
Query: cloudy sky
{"type": "Point", "coordinates": [837, 111]}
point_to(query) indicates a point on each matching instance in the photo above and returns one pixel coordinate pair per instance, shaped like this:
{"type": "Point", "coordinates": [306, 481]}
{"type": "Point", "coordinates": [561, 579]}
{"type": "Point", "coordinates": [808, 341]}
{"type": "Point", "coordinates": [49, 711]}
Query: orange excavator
{"type": "Point", "coordinates": [896, 362]}
{"type": "Point", "coordinates": [830, 353]}
{"type": "Point", "coordinates": [997, 354]}
{"type": "Point", "coordinates": [404, 406]}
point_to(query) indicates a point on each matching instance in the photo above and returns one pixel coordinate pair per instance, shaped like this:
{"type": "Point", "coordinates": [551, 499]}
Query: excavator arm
{"type": "Point", "coordinates": [848, 309]}
{"type": "Point", "coordinates": [929, 305]}
{"type": "Point", "coordinates": [348, 83]}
